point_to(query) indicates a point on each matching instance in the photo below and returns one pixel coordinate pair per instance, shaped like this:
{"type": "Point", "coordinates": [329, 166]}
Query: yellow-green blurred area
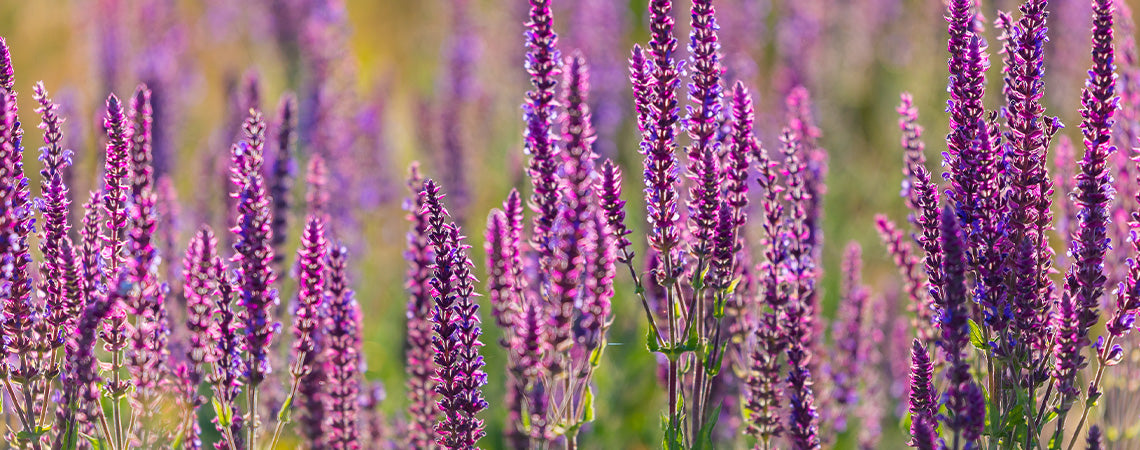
{"type": "Point", "coordinates": [864, 54]}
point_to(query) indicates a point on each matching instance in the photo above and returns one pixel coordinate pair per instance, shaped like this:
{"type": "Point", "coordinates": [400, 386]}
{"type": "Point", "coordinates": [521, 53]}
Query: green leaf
{"type": "Point", "coordinates": [651, 341]}
{"type": "Point", "coordinates": [704, 437]}
{"type": "Point", "coordinates": [976, 337]}
{"type": "Point", "coordinates": [596, 355]}
{"type": "Point", "coordinates": [588, 405]}
{"type": "Point", "coordinates": [283, 413]}
{"type": "Point", "coordinates": [96, 443]}
{"type": "Point", "coordinates": [223, 412]}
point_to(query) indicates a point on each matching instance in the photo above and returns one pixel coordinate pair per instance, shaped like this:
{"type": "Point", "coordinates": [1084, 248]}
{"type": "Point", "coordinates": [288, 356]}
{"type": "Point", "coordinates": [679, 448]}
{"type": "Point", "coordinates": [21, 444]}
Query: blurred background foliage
{"type": "Point", "coordinates": [389, 64]}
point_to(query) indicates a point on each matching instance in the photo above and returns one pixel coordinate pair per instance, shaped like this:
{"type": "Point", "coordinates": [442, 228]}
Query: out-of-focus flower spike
{"type": "Point", "coordinates": [199, 267]}
{"type": "Point", "coordinates": [849, 336]}
{"type": "Point", "coordinates": [1094, 440]}
{"type": "Point", "coordinates": [913, 283]}
{"type": "Point", "coordinates": [344, 355]}
{"type": "Point", "coordinates": [913, 150]}
{"type": "Point", "coordinates": [963, 418]}
{"type": "Point", "coordinates": [282, 173]}
{"type": "Point", "coordinates": [599, 284]}
{"type": "Point", "coordinates": [316, 178]}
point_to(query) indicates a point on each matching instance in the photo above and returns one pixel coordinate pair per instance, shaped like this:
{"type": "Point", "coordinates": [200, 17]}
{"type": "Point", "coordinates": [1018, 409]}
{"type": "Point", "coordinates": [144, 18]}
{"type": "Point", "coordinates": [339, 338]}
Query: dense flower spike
{"type": "Point", "coordinates": [417, 346]}
{"type": "Point", "coordinates": [797, 320]}
{"type": "Point", "coordinates": [199, 267]}
{"type": "Point", "coordinates": [1030, 188]}
{"type": "Point", "coordinates": [226, 378]}
{"type": "Point", "coordinates": [1084, 281]}
{"type": "Point", "coordinates": [116, 185]}
{"type": "Point", "coordinates": [61, 302]}
{"type": "Point", "coordinates": [966, 141]}
{"type": "Point", "coordinates": [612, 206]}
{"type": "Point", "coordinates": [81, 372]}
{"type": "Point", "coordinates": [6, 74]}
{"type": "Point", "coordinates": [921, 405]}
{"type": "Point", "coordinates": [543, 65]}
{"type": "Point", "coordinates": [962, 417]}
{"type": "Point", "coordinates": [659, 137]}
{"type": "Point", "coordinates": [1094, 440]}
{"type": "Point", "coordinates": [310, 327]}
{"type": "Point", "coordinates": [741, 145]}
{"type": "Point", "coordinates": [455, 321]}
{"type": "Point", "coordinates": [16, 226]}
{"type": "Point", "coordinates": [570, 231]}
{"type": "Point", "coordinates": [344, 359]}
{"type": "Point", "coordinates": [702, 122]}
{"type": "Point", "coordinates": [253, 256]}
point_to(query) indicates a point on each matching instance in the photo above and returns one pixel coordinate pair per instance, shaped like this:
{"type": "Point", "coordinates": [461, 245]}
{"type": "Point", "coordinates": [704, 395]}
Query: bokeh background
{"type": "Point", "coordinates": [383, 83]}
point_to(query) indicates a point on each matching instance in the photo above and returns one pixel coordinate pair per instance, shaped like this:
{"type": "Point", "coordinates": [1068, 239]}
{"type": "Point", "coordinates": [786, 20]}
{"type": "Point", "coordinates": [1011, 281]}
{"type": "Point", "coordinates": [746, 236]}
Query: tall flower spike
{"type": "Point", "coordinates": [702, 123]}
{"type": "Point", "coordinates": [344, 355]}
{"type": "Point", "coordinates": [571, 229]}
{"type": "Point", "coordinates": [253, 256]}
{"type": "Point", "coordinates": [116, 185]}
{"type": "Point", "coordinates": [659, 139]}
{"type": "Point", "coordinates": [1029, 184]}
{"type": "Point", "coordinates": [967, 65]}
{"type": "Point", "coordinates": [53, 205]}
{"type": "Point", "coordinates": [455, 319]}
{"type": "Point", "coordinates": [542, 64]}
{"type": "Point", "coordinates": [16, 224]}
{"type": "Point", "coordinates": [418, 351]}
{"type": "Point", "coordinates": [764, 382]}
{"type": "Point", "coordinates": [639, 77]}
{"type": "Point", "coordinates": [613, 208]}
{"type": "Point", "coordinates": [282, 172]}
{"type": "Point", "coordinates": [310, 325]}
{"type": "Point", "coordinates": [81, 371]}
{"type": "Point", "coordinates": [741, 143]}
{"type": "Point", "coordinates": [228, 367]}
{"type": "Point", "coordinates": [964, 419]}
{"type": "Point", "coordinates": [599, 284]}
{"type": "Point", "coordinates": [201, 289]}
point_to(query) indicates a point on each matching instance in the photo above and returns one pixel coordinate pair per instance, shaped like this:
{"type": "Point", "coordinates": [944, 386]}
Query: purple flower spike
{"type": "Point", "coordinates": [116, 185]}
{"type": "Point", "coordinates": [316, 180]}
{"type": "Point", "coordinates": [500, 286]}
{"type": "Point", "coordinates": [418, 351]}
{"type": "Point", "coordinates": [16, 225]}
{"type": "Point", "coordinates": [282, 173]}
{"type": "Point", "coordinates": [253, 252]}
{"type": "Point", "coordinates": [599, 285]}
{"type": "Point", "coordinates": [81, 371]}
{"type": "Point", "coordinates": [199, 268]}
{"type": "Point", "coordinates": [308, 321]}
{"type": "Point", "coordinates": [608, 191]}
{"type": "Point", "coordinates": [913, 283]}
{"type": "Point", "coordinates": [849, 330]}
{"type": "Point", "coordinates": [659, 138]}
{"type": "Point", "coordinates": [913, 148]}
{"type": "Point", "coordinates": [1094, 441]}
{"type": "Point", "coordinates": [963, 418]}
{"type": "Point", "coordinates": [53, 205]}
{"type": "Point", "coordinates": [639, 77]}
{"type": "Point", "coordinates": [226, 378]}
{"type": "Point", "coordinates": [7, 78]}
{"type": "Point", "coordinates": [344, 360]}
{"type": "Point", "coordinates": [922, 404]}
{"type": "Point", "coordinates": [702, 123]}
{"type": "Point", "coordinates": [763, 397]}
{"type": "Point", "coordinates": [543, 65]}
{"type": "Point", "coordinates": [310, 327]}
{"type": "Point", "coordinates": [803, 421]}
{"type": "Point", "coordinates": [458, 374]}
